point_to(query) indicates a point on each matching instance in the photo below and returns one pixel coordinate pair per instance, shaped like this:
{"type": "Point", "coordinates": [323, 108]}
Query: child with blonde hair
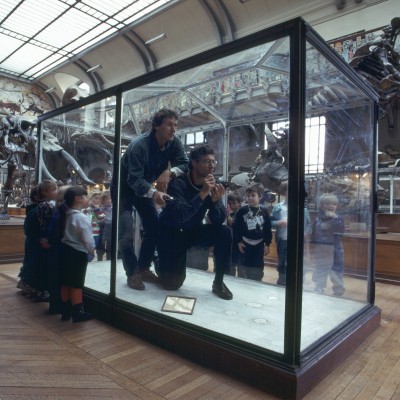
{"type": "Point", "coordinates": [326, 235]}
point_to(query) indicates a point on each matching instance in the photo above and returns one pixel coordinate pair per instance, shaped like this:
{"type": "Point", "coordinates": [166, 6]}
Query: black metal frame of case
{"type": "Point", "coordinates": [293, 373]}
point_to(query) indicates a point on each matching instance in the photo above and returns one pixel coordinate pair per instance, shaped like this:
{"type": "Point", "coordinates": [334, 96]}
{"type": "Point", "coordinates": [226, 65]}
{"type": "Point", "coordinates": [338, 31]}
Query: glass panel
{"type": "Point", "coordinates": [243, 91]}
{"type": "Point", "coordinates": [338, 170]}
{"type": "Point", "coordinates": [77, 149]}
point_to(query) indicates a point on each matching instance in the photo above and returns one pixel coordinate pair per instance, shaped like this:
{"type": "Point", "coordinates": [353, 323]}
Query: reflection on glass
{"type": "Point", "coordinates": [77, 150]}
{"type": "Point", "coordinates": [279, 216]}
{"type": "Point", "coordinates": [338, 167]}
{"type": "Point", "coordinates": [326, 236]}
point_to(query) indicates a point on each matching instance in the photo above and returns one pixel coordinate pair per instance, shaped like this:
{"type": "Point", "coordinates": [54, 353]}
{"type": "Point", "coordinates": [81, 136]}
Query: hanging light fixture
{"type": "Point", "coordinates": [95, 68]}
{"type": "Point", "coordinates": [157, 38]}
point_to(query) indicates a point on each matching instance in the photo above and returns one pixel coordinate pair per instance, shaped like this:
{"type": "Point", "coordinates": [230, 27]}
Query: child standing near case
{"type": "Point", "coordinates": [47, 194]}
{"type": "Point", "coordinates": [327, 232]}
{"type": "Point", "coordinates": [252, 234]}
{"type": "Point", "coordinates": [78, 246]}
{"type": "Point", "coordinates": [234, 204]}
{"type": "Point", "coordinates": [279, 217]}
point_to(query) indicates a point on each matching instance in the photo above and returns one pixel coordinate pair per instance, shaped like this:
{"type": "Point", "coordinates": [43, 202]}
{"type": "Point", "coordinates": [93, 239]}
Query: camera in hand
{"type": "Point", "coordinates": [227, 184]}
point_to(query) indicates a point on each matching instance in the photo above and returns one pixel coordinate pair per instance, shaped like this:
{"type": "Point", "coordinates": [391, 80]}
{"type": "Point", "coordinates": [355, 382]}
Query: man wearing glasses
{"type": "Point", "coordinates": [195, 197]}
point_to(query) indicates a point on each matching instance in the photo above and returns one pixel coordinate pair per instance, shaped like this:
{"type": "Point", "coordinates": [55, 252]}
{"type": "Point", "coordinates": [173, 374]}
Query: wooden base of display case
{"type": "Point", "coordinates": [228, 356]}
{"type": "Point", "coordinates": [390, 221]}
{"type": "Point", "coordinates": [12, 239]}
{"type": "Point", "coordinates": [387, 267]}
{"type": "Point", "coordinates": [16, 211]}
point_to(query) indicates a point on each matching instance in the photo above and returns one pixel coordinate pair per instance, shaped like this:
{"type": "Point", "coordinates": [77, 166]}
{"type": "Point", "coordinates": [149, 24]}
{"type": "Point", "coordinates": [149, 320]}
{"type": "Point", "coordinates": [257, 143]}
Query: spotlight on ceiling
{"type": "Point", "coordinates": [95, 68]}
{"type": "Point", "coordinates": [51, 89]}
{"type": "Point", "coordinates": [156, 38]}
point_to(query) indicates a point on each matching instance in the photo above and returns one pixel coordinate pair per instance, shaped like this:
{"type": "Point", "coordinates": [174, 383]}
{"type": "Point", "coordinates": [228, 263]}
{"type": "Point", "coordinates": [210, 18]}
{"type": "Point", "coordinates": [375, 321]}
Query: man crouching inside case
{"type": "Point", "coordinates": [195, 197]}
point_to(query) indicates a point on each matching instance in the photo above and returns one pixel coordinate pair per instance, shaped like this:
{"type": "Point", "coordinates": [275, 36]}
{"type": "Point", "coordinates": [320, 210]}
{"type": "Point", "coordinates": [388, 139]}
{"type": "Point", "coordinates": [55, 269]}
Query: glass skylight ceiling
{"type": "Point", "coordinates": [38, 35]}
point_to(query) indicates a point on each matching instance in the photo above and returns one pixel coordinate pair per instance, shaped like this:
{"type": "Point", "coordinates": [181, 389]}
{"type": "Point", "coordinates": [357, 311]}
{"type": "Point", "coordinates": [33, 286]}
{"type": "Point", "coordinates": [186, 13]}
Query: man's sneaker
{"type": "Point", "coordinates": [135, 282]}
{"type": "Point", "coordinates": [149, 276]}
{"type": "Point", "coordinates": [222, 291]}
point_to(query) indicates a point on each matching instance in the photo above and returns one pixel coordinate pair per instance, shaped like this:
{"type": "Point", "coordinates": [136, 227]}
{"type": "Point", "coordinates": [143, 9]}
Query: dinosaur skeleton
{"type": "Point", "coordinates": [378, 60]}
{"type": "Point", "coordinates": [270, 166]}
{"type": "Point", "coordinates": [15, 135]}
{"type": "Point", "coordinates": [51, 145]}
{"type": "Point", "coordinates": [18, 153]}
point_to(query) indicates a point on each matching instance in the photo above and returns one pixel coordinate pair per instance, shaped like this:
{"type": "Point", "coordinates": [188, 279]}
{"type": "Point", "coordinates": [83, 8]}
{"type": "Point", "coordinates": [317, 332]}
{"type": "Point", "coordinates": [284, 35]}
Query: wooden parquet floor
{"type": "Point", "coordinates": [44, 358]}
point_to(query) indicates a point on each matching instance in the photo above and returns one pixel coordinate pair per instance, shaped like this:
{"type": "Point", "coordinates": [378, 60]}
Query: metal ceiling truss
{"type": "Point", "coordinates": [146, 55]}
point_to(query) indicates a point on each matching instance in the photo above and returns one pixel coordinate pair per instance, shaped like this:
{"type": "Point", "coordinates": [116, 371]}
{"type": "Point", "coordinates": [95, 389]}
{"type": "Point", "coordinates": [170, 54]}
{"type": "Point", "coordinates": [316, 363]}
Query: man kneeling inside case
{"type": "Point", "coordinates": [196, 196]}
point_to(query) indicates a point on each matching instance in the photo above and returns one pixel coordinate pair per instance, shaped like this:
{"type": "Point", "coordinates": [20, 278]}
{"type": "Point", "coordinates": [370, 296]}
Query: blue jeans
{"type": "Point", "coordinates": [329, 262]}
{"type": "Point", "coordinates": [252, 260]}
{"type": "Point", "coordinates": [281, 246]}
{"type": "Point", "coordinates": [172, 248]}
{"type": "Point", "coordinates": [149, 217]}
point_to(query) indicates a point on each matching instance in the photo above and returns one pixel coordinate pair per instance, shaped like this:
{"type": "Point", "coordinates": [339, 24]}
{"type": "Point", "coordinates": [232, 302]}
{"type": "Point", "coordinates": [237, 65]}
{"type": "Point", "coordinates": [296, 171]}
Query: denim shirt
{"type": "Point", "coordinates": [327, 229]}
{"type": "Point", "coordinates": [144, 161]}
{"type": "Point", "coordinates": [277, 215]}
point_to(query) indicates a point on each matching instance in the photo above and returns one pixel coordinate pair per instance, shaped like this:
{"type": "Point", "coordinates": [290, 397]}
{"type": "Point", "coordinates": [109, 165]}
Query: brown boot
{"type": "Point", "coordinates": [149, 276]}
{"type": "Point", "coordinates": [135, 282]}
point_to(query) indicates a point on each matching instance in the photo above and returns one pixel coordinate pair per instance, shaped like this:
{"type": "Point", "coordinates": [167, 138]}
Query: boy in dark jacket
{"type": "Point", "coordinates": [252, 234]}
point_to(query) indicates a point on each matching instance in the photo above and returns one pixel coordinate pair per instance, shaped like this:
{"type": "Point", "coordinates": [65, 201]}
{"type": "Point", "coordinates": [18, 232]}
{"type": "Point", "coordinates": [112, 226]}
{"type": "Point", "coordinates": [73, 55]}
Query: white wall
{"type": "Point", "coordinates": [368, 15]}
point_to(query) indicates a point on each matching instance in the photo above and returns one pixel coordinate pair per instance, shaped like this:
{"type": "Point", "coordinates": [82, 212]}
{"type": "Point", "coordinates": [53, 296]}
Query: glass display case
{"type": "Point", "coordinates": [277, 106]}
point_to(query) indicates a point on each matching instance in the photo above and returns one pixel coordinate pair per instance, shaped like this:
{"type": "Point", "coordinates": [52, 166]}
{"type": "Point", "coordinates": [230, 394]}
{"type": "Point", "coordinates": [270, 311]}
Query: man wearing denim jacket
{"type": "Point", "coordinates": [149, 163]}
